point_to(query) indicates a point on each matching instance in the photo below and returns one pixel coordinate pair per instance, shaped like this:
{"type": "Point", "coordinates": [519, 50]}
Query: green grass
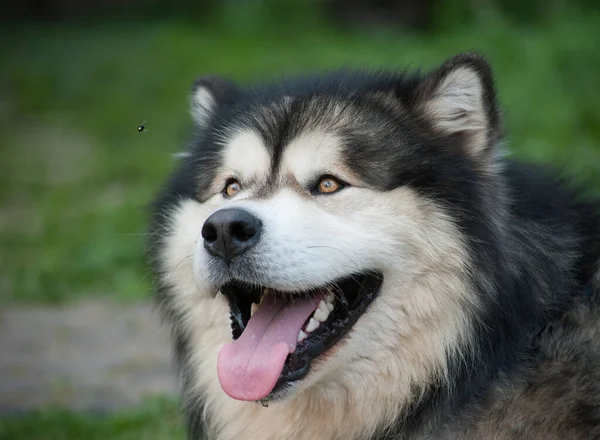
{"type": "Point", "coordinates": [158, 420]}
{"type": "Point", "coordinates": [75, 176]}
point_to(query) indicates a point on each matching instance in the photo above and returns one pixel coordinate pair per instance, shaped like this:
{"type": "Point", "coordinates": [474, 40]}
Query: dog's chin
{"type": "Point", "coordinates": [317, 318]}
{"type": "Point", "coordinates": [314, 379]}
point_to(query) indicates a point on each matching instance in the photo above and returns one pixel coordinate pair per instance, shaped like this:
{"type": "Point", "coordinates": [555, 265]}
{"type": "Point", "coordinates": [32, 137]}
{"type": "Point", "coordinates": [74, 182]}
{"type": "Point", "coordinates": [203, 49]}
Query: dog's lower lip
{"type": "Point", "coordinates": [353, 295]}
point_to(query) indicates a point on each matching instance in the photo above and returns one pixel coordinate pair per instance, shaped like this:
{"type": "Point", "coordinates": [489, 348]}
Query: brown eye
{"type": "Point", "coordinates": [233, 187]}
{"type": "Point", "coordinates": [328, 185]}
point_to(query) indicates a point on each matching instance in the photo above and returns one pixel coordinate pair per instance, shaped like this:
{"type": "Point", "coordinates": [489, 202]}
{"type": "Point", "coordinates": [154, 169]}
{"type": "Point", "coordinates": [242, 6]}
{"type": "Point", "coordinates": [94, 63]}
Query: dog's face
{"type": "Point", "coordinates": [317, 218]}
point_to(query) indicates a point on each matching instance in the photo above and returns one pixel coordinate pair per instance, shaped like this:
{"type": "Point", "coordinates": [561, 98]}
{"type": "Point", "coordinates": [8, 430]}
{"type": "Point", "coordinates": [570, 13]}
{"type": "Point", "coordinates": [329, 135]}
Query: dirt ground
{"type": "Point", "coordinates": [87, 356]}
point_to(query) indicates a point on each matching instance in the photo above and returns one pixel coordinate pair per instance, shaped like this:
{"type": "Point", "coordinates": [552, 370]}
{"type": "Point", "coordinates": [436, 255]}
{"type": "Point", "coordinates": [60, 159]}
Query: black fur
{"type": "Point", "coordinates": [535, 244]}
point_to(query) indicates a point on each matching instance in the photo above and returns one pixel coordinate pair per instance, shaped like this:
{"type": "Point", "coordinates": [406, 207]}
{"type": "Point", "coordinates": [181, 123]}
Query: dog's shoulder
{"type": "Point", "coordinates": [556, 392]}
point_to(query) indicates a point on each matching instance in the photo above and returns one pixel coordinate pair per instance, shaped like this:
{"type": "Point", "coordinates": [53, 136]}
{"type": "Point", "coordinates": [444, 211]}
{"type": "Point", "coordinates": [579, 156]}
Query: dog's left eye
{"type": "Point", "coordinates": [328, 185]}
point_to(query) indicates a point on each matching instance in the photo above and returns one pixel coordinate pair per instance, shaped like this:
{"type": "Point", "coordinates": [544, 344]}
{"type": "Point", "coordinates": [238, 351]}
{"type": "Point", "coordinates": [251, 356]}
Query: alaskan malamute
{"type": "Point", "coordinates": [352, 256]}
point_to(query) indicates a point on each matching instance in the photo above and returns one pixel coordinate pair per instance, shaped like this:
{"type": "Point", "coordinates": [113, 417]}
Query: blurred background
{"type": "Point", "coordinates": [82, 354]}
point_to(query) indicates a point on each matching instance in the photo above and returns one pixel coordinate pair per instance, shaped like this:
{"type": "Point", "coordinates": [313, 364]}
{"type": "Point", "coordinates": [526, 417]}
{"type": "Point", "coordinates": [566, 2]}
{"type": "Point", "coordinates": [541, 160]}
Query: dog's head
{"type": "Point", "coordinates": [330, 215]}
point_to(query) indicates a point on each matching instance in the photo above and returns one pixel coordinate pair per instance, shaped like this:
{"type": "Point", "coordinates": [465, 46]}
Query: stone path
{"type": "Point", "coordinates": [87, 356]}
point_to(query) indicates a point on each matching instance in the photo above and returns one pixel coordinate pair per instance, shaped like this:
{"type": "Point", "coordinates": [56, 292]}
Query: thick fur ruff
{"type": "Point", "coordinates": [487, 323]}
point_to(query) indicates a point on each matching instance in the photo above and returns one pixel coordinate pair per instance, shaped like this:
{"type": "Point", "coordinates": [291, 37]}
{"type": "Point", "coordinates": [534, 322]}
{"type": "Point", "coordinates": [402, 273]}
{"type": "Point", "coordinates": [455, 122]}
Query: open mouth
{"type": "Point", "coordinates": [277, 334]}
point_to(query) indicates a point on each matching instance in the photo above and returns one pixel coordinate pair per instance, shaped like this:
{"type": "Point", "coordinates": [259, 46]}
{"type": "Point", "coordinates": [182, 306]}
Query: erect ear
{"type": "Point", "coordinates": [208, 93]}
{"type": "Point", "coordinates": [459, 99]}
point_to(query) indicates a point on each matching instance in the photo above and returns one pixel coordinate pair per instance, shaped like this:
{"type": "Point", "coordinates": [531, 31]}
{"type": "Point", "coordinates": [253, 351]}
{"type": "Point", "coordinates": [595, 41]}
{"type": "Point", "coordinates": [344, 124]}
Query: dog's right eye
{"type": "Point", "coordinates": [232, 188]}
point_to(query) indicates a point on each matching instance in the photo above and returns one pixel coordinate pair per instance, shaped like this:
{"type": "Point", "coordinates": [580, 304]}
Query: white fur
{"type": "Point", "coordinates": [182, 155]}
{"type": "Point", "coordinates": [201, 105]}
{"type": "Point", "coordinates": [313, 154]}
{"type": "Point", "coordinates": [401, 342]}
{"type": "Point", "coordinates": [457, 106]}
{"type": "Point", "coordinates": [246, 157]}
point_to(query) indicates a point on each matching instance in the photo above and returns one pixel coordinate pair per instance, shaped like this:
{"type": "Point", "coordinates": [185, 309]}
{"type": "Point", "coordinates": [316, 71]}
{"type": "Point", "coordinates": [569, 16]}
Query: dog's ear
{"type": "Point", "coordinates": [208, 93]}
{"type": "Point", "coordinates": [459, 99]}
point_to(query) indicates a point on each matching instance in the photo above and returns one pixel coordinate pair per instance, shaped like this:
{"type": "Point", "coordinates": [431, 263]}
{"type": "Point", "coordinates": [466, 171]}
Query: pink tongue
{"type": "Point", "coordinates": [249, 367]}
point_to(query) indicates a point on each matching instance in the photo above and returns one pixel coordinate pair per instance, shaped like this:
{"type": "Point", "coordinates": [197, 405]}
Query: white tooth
{"type": "Point", "coordinates": [312, 325]}
{"type": "Point", "coordinates": [263, 296]}
{"type": "Point", "coordinates": [322, 306]}
{"type": "Point", "coordinates": [321, 315]}
{"type": "Point", "coordinates": [330, 306]}
{"type": "Point", "coordinates": [253, 308]}
{"type": "Point", "coordinates": [301, 336]}
{"type": "Point", "coordinates": [329, 297]}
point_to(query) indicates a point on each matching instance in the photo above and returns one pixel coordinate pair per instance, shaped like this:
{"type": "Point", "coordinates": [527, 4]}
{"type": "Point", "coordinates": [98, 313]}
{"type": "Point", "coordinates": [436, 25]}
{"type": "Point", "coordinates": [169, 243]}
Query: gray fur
{"type": "Point", "coordinates": [487, 321]}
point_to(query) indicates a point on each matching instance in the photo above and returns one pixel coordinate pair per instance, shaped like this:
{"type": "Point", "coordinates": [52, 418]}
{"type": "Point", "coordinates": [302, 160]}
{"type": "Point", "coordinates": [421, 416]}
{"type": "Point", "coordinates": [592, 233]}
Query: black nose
{"type": "Point", "coordinates": [230, 232]}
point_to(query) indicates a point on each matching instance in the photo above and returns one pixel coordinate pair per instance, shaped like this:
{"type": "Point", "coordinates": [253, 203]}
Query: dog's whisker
{"type": "Point", "coordinates": [179, 264]}
{"type": "Point", "coordinates": [306, 195]}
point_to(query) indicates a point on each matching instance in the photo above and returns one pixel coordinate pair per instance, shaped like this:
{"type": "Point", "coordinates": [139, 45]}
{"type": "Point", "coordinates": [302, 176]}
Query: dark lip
{"type": "Point", "coordinates": [353, 295]}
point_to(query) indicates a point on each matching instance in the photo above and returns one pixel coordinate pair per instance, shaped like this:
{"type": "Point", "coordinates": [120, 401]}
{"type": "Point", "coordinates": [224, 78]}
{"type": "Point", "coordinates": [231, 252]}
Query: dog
{"type": "Point", "coordinates": [353, 255]}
